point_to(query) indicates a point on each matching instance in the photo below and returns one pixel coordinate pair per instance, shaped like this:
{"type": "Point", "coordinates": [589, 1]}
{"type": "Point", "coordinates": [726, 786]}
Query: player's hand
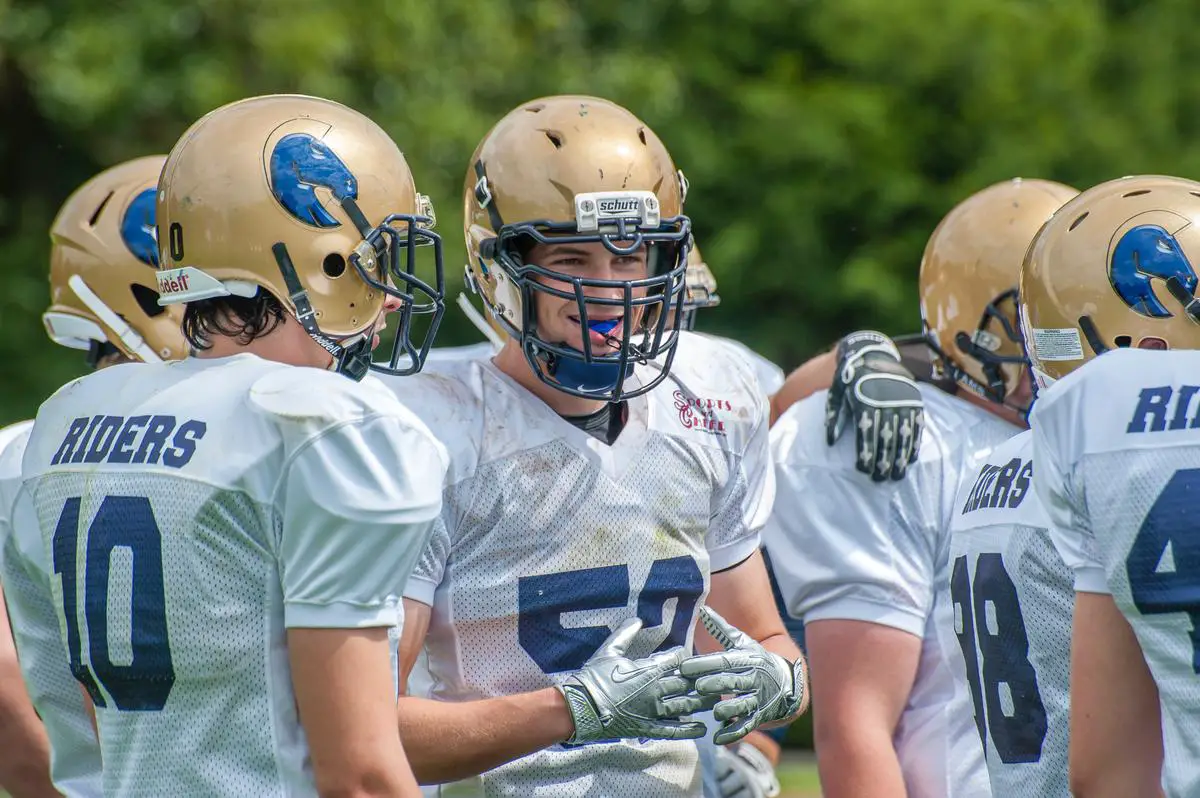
{"type": "Point", "coordinates": [764, 687]}
{"type": "Point", "coordinates": [879, 396]}
{"type": "Point", "coordinates": [613, 697]}
{"type": "Point", "coordinates": [744, 772]}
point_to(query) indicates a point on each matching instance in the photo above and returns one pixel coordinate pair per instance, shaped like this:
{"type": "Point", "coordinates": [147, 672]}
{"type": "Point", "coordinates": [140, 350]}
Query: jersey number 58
{"type": "Point", "coordinates": [542, 601]}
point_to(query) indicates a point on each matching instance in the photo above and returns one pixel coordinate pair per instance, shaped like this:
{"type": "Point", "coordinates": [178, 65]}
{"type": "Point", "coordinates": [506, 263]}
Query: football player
{"type": "Point", "coordinates": [608, 478]}
{"type": "Point", "coordinates": [1118, 468]}
{"type": "Point", "coordinates": [860, 562]}
{"type": "Point", "coordinates": [230, 532]}
{"type": "Point", "coordinates": [103, 299]}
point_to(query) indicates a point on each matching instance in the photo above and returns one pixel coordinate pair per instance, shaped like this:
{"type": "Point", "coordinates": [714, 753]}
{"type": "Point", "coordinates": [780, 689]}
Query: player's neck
{"type": "Point", "coordinates": [287, 343]}
{"type": "Point", "coordinates": [511, 360]}
{"type": "Point", "coordinates": [1003, 412]}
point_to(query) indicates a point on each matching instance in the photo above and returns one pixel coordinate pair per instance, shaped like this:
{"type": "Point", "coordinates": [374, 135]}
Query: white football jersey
{"type": "Point", "coordinates": [1013, 601]}
{"type": "Point", "coordinates": [191, 513]}
{"type": "Point", "coordinates": [1117, 443]}
{"type": "Point", "coordinates": [446, 354]}
{"type": "Point", "coordinates": [844, 547]}
{"type": "Point", "coordinates": [25, 576]}
{"type": "Point", "coordinates": [551, 538]}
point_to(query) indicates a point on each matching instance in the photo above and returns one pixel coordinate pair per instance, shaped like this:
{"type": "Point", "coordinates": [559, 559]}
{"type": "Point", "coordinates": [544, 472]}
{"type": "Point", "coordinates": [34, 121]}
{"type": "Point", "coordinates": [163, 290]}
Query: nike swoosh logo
{"type": "Point", "coordinates": [623, 673]}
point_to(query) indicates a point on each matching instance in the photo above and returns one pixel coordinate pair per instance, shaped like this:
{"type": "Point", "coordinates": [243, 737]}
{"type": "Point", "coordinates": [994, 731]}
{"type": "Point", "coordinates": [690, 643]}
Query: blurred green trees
{"type": "Point", "coordinates": [823, 140]}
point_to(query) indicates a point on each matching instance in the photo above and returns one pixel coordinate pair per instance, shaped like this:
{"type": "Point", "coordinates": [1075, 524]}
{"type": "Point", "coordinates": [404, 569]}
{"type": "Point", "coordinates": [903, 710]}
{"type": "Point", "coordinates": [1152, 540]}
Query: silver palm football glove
{"type": "Point", "coordinates": [876, 393]}
{"type": "Point", "coordinates": [745, 772]}
{"type": "Point", "coordinates": [613, 697]}
{"type": "Point", "coordinates": [765, 687]}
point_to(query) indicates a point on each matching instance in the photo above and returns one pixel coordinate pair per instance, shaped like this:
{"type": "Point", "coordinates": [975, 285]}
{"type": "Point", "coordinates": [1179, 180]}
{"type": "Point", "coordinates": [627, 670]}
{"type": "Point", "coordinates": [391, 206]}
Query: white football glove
{"type": "Point", "coordinates": [765, 686]}
{"type": "Point", "coordinates": [875, 392]}
{"type": "Point", "coordinates": [613, 697]}
{"type": "Point", "coordinates": [745, 772]}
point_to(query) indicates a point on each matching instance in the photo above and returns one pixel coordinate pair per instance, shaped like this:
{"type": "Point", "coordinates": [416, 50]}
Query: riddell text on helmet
{"type": "Point", "coordinates": [169, 283]}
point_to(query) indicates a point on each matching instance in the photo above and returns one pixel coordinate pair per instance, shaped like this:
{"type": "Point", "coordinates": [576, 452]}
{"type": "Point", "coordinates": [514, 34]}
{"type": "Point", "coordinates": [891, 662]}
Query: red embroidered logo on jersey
{"type": "Point", "coordinates": [699, 413]}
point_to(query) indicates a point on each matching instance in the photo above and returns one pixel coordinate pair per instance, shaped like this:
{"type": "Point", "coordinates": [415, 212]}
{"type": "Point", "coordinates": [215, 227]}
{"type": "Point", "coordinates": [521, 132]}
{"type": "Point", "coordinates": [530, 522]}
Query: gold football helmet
{"type": "Point", "coordinates": [574, 169]}
{"type": "Point", "coordinates": [103, 290]}
{"type": "Point", "coordinates": [701, 291]}
{"type": "Point", "coordinates": [312, 202]}
{"type": "Point", "coordinates": [1088, 281]}
{"type": "Point", "coordinates": [968, 284]}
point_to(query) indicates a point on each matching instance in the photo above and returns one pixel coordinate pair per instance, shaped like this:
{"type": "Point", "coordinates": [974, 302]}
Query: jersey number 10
{"type": "Point", "coordinates": [121, 521]}
{"type": "Point", "coordinates": [1018, 735]}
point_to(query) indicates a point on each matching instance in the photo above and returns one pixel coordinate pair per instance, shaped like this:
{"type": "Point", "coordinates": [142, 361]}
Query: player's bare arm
{"type": "Point", "coordinates": [866, 672]}
{"type": "Point", "coordinates": [1116, 729]}
{"type": "Point", "coordinates": [338, 675]}
{"type": "Point", "coordinates": [815, 374]}
{"type": "Point", "coordinates": [489, 732]}
{"type": "Point", "coordinates": [25, 765]}
{"type": "Point", "coordinates": [446, 741]}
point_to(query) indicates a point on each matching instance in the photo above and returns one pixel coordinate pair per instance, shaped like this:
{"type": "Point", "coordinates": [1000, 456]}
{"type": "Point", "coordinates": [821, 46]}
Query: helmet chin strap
{"type": "Point", "coordinates": [973, 385]}
{"type": "Point", "coordinates": [351, 357]}
{"type": "Point", "coordinates": [127, 335]}
{"type": "Point", "coordinates": [479, 322]}
{"type": "Point", "coordinates": [353, 360]}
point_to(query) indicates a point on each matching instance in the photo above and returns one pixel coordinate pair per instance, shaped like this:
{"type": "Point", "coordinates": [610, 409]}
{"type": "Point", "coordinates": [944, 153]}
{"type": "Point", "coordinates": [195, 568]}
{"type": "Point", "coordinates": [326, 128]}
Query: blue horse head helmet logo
{"type": "Point", "coordinates": [1142, 254]}
{"type": "Point", "coordinates": [137, 228]}
{"type": "Point", "coordinates": [299, 165]}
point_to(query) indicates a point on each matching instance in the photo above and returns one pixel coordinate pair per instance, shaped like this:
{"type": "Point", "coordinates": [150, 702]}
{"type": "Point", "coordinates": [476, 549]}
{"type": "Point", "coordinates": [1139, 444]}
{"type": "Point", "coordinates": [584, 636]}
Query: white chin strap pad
{"type": "Point", "coordinates": [74, 332]}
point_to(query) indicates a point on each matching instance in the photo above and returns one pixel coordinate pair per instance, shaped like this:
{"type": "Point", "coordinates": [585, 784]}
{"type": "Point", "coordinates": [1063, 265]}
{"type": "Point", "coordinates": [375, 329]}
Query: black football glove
{"type": "Point", "coordinates": [880, 397]}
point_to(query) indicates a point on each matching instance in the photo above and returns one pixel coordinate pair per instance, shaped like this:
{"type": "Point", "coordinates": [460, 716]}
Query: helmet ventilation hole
{"type": "Point", "coordinates": [334, 265]}
{"type": "Point", "coordinates": [642, 135]}
{"type": "Point", "coordinates": [147, 299]}
{"type": "Point", "coordinates": [533, 109]}
{"type": "Point", "coordinates": [1078, 221]}
{"type": "Point", "coordinates": [555, 137]}
{"type": "Point", "coordinates": [99, 210]}
{"type": "Point", "coordinates": [1135, 193]}
{"type": "Point", "coordinates": [1123, 341]}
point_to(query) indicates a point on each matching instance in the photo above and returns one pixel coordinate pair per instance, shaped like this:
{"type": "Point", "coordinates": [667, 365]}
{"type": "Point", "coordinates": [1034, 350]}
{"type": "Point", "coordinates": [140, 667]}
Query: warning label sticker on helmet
{"type": "Point", "coordinates": [1057, 344]}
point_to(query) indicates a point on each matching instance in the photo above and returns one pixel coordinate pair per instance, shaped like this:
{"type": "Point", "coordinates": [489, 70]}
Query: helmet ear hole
{"type": "Point", "coordinates": [1123, 341]}
{"type": "Point", "coordinates": [334, 265]}
{"type": "Point", "coordinates": [147, 299]}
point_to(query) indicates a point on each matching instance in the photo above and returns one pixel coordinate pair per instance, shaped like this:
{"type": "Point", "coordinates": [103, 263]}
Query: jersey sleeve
{"type": "Point", "coordinates": [841, 549]}
{"type": "Point", "coordinates": [431, 567]}
{"type": "Point", "coordinates": [358, 503]}
{"type": "Point", "coordinates": [1054, 438]}
{"type": "Point", "coordinates": [741, 510]}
